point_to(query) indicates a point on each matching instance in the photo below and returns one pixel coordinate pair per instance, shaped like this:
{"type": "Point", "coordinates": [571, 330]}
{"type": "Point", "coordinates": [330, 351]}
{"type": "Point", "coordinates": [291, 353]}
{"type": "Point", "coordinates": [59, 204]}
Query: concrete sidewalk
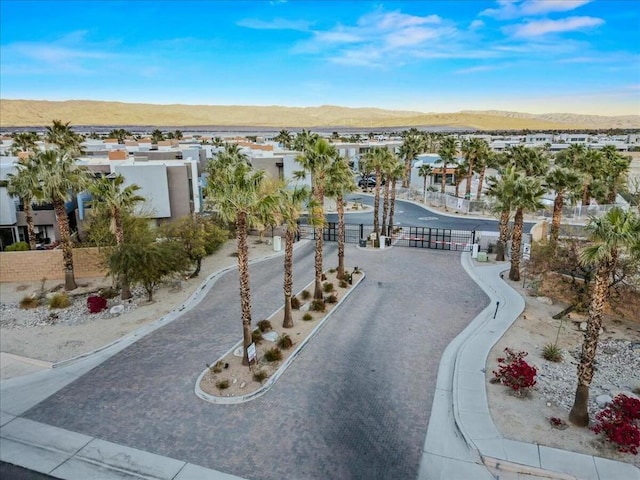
{"type": "Point", "coordinates": [462, 440]}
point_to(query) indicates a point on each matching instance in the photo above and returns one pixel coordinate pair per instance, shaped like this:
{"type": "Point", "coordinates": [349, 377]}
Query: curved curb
{"type": "Point", "coordinates": [281, 369]}
{"type": "Point", "coordinates": [194, 299]}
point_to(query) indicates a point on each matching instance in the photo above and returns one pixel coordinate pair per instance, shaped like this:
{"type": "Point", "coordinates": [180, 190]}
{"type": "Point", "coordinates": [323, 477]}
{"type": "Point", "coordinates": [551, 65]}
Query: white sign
{"type": "Point", "coordinates": [251, 352]}
{"type": "Point", "coordinates": [526, 251]}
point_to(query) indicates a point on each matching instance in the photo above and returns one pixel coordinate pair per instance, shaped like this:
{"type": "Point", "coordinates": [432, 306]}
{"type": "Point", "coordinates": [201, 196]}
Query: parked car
{"type": "Point", "coordinates": [369, 181]}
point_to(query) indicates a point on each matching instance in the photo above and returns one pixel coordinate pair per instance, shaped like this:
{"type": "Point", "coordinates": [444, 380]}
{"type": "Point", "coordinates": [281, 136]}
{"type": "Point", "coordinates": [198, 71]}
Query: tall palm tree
{"type": "Point", "coordinates": [611, 235]}
{"type": "Point", "coordinates": [291, 201]}
{"type": "Point", "coordinates": [64, 138]}
{"type": "Point", "coordinates": [388, 171]}
{"type": "Point", "coordinates": [240, 196]}
{"type": "Point", "coordinates": [447, 153]}
{"type": "Point", "coordinates": [26, 142]}
{"type": "Point", "coordinates": [459, 173]}
{"type": "Point", "coordinates": [25, 184]}
{"type": "Point", "coordinates": [475, 152]}
{"type": "Point", "coordinates": [316, 161]}
{"type": "Point", "coordinates": [284, 138]}
{"type": "Point", "coordinates": [616, 172]}
{"type": "Point", "coordinates": [378, 158]}
{"type": "Point", "coordinates": [304, 140]}
{"type": "Point", "coordinates": [157, 136]}
{"type": "Point", "coordinates": [425, 172]}
{"type": "Point", "coordinates": [532, 161]}
{"type": "Point", "coordinates": [394, 176]}
{"type": "Point", "coordinates": [60, 178]}
{"type": "Point", "coordinates": [489, 160]}
{"type": "Point", "coordinates": [111, 197]}
{"type": "Point", "coordinates": [527, 196]}
{"type": "Point", "coordinates": [412, 145]}
{"type": "Point", "coordinates": [502, 190]}
{"type": "Point", "coordinates": [340, 182]}
{"type": "Point", "coordinates": [563, 181]}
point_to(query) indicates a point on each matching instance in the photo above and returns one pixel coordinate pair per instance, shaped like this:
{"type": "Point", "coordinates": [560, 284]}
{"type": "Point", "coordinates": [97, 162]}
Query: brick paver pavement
{"type": "Point", "coordinates": [355, 403]}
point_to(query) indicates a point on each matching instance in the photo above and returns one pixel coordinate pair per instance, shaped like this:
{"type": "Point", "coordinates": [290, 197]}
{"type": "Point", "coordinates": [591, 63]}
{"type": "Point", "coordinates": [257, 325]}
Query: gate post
{"type": "Point", "coordinates": [361, 231]}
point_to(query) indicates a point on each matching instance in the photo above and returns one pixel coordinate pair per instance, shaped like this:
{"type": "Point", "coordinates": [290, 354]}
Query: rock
{"type": "Point", "coordinates": [545, 300]}
{"type": "Point", "coordinates": [583, 326]}
{"type": "Point", "coordinates": [603, 400]}
{"type": "Point", "coordinates": [270, 336]}
{"type": "Point", "coordinates": [116, 309]}
{"type": "Point", "coordinates": [243, 384]}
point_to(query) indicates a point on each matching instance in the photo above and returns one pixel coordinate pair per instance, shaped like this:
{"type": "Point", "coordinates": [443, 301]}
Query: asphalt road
{"type": "Point", "coordinates": [409, 214]}
{"type": "Point", "coordinates": [354, 404]}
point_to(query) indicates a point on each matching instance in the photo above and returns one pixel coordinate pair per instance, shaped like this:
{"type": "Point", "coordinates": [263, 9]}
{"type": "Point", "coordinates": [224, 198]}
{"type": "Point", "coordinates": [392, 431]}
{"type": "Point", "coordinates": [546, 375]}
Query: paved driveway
{"type": "Point", "coordinates": [354, 405]}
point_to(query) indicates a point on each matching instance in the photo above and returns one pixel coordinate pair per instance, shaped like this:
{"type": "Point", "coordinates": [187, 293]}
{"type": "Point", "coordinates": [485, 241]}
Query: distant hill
{"type": "Point", "coordinates": [36, 113]}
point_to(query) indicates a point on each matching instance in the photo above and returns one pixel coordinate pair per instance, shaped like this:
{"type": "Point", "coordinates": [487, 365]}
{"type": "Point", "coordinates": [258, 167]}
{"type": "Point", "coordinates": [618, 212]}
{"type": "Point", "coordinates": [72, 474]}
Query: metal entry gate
{"type": "Point", "coordinates": [419, 237]}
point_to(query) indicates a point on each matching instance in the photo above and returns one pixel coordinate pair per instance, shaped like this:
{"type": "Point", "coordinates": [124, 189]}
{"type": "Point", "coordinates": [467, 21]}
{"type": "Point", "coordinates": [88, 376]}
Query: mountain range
{"type": "Point", "coordinates": [39, 113]}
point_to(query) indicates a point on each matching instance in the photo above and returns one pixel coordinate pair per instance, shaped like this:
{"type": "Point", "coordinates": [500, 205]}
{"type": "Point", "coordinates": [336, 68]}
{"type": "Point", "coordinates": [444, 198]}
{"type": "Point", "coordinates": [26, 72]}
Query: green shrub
{"type": "Point", "coordinates": [333, 270]}
{"type": "Point", "coordinates": [318, 305]}
{"type": "Point", "coordinates": [552, 352]}
{"type": "Point", "coordinates": [295, 303]}
{"type": "Point", "coordinates": [333, 298]}
{"type": "Point", "coordinates": [256, 336]}
{"type": "Point", "coordinates": [108, 293]}
{"type": "Point", "coordinates": [59, 300]}
{"type": "Point", "coordinates": [327, 287]}
{"type": "Point", "coordinates": [305, 294]}
{"type": "Point", "coordinates": [260, 375]}
{"type": "Point", "coordinates": [216, 367]}
{"type": "Point", "coordinates": [264, 325]}
{"type": "Point", "coordinates": [307, 316]}
{"type": "Point", "coordinates": [18, 247]}
{"type": "Point", "coordinates": [29, 301]}
{"type": "Point", "coordinates": [273, 354]}
{"type": "Point", "coordinates": [285, 342]}
{"type": "Point", "coordinates": [343, 284]}
{"type": "Point", "coordinates": [222, 384]}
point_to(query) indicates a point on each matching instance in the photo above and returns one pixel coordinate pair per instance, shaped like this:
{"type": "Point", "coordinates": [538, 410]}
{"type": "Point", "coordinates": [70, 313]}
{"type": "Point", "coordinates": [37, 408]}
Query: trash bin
{"type": "Point", "coordinates": [475, 250]}
{"type": "Point", "coordinates": [277, 243]}
{"type": "Point", "coordinates": [383, 241]}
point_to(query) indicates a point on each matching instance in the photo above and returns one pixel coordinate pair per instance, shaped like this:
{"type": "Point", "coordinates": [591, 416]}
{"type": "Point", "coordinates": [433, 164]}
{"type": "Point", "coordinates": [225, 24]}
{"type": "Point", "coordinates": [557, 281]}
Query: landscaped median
{"type": "Point", "coordinates": [227, 381]}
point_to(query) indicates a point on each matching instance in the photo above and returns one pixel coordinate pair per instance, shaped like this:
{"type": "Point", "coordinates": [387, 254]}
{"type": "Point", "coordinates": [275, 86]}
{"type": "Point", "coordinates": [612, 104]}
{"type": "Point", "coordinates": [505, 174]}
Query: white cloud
{"type": "Point", "coordinates": [275, 24]}
{"type": "Point", "coordinates": [476, 24]}
{"type": "Point", "coordinates": [509, 9]}
{"type": "Point", "coordinates": [543, 27]}
{"type": "Point", "coordinates": [479, 68]}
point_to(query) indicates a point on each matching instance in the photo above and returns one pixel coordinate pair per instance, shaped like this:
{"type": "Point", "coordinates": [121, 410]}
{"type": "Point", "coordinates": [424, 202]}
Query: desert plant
{"type": "Point", "coordinates": [29, 301]}
{"type": "Point", "coordinates": [284, 342]}
{"type": "Point", "coordinates": [324, 277]}
{"type": "Point", "coordinates": [264, 325]}
{"type": "Point", "coordinates": [327, 287]}
{"type": "Point", "coordinates": [260, 375]}
{"type": "Point", "coordinates": [305, 294]}
{"type": "Point", "coordinates": [318, 305]}
{"type": "Point", "coordinates": [295, 303]}
{"type": "Point", "coordinates": [222, 384]}
{"type": "Point", "coordinates": [59, 300]}
{"type": "Point", "coordinates": [216, 367]}
{"type": "Point", "coordinates": [558, 423]}
{"type": "Point", "coordinates": [108, 293]}
{"type": "Point", "coordinates": [307, 316]}
{"type": "Point", "coordinates": [17, 247]}
{"type": "Point", "coordinates": [256, 336]}
{"type": "Point", "coordinates": [332, 270]}
{"type": "Point", "coordinates": [273, 354]}
{"type": "Point", "coordinates": [333, 298]}
{"type": "Point", "coordinates": [619, 421]}
{"type": "Point", "coordinates": [343, 284]}
{"type": "Point", "coordinates": [552, 352]}
{"type": "Point", "coordinates": [515, 372]}
{"type": "Point", "coordinates": [96, 303]}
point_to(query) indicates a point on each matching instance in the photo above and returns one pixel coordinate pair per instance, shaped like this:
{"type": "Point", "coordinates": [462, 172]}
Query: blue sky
{"type": "Point", "coordinates": [535, 56]}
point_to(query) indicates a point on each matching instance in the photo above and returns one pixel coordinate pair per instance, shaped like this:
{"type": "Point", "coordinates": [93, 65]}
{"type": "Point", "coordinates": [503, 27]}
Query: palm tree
{"type": "Point", "coordinates": [412, 145]}
{"type": "Point", "coordinates": [110, 197]}
{"type": "Point", "coordinates": [388, 171]}
{"type": "Point", "coordinates": [527, 196]}
{"type": "Point", "coordinates": [239, 196]}
{"type": "Point", "coordinates": [475, 152]}
{"type": "Point", "coordinates": [563, 181]}
{"type": "Point", "coordinates": [377, 158]}
{"type": "Point", "coordinates": [340, 182]}
{"type": "Point", "coordinates": [26, 142]}
{"type": "Point", "coordinates": [157, 136]}
{"type": "Point", "coordinates": [284, 138]}
{"type": "Point", "coordinates": [447, 153]}
{"type": "Point", "coordinates": [612, 234]}
{"type": "Point", "coordinates": [490, 160]}
{"type": "Point", "coordinates": [316, 160]}
{"type": "Point", "coordinates": [615, 174]}
{"type": "Point", "coordinates": [60, 177]}
{"type": "Point", "coordinates": [425, 172]}
{"type": "Point", "coordinates": [532, 161]}
{"type": "Point", "coordinates": [25, 184]}
{"type": "Point", "coordinates": [502, 190]}
{"type": "Point", "coordinates": [63, 138]}
{"type": "Point", "coordinates": [304, 140]}
{"type": "Point", "coordinates": [459, 173]}
{"type": "Point", "coordinates": [291, 201]}
{"type": "Point", "coordinates": [394, 176]}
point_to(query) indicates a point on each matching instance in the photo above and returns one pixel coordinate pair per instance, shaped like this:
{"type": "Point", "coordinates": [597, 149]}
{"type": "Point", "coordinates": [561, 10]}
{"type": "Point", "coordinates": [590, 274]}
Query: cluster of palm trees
{"type": "Point", "coordinates": [247, 198]}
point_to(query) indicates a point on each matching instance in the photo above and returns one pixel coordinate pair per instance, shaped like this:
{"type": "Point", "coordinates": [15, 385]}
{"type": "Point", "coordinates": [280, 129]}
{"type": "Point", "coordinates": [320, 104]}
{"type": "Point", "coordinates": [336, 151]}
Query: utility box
{"type": "Point", "coordinates": [277, 243]}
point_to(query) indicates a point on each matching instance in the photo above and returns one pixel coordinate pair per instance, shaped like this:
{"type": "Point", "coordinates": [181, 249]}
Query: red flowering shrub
{"type": "Point", "coordinates": [96, 303]}
{"type": "Point", "coordinates": [515, 372]}
{"type": "Point", "coordinates": [619, 422]}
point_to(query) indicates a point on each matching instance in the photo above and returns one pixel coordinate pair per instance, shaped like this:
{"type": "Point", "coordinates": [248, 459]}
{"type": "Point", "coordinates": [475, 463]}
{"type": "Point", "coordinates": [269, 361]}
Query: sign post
{"type": "Point", "coordinates": [526, 255]}
{"type": "Point", "coordinates": [251, 353]}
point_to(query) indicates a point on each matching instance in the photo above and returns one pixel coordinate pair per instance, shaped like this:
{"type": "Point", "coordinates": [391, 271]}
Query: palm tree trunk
{"type": "Point", "coordinates": [196, 272]}
{"type": "Point", "coordinates": [376, 205]}
{"type": "Point", "coordinates": [514, 273]}
{"type": "Point", "coordinates": [457, 188]}
{"type": "Point", "coordinates": [504, 235]}
{"type": "Point", "coordinates": [340, 202]}
{"type": "Point", "coordinates": [288, 277]}
{"type": "Point", "coordinates": [444, 177]}
{"type": "Point", "coordinates": [245, 291]}
{"type": "Point", "coordinates": [424, 190]}
{"type": "Point", "coordinates": [579, 414]}
{"type": "Point", "coordinates": [407, 171]}
{"type": "Point", "coordinates": [385, 208]}
{"type": "Point", "coordinates": [123, 281]}
{"type": "Point", "coordinates": [317, 290]}
{"type": "Point", "coordinates": [392, 207]}
{"type": "Point", "coordinates": [586, 195]}
{"type": "Point", "coordinates": [467, 187]}
{"type": "Point", "coordinates": [555, 221]}
{"type": "Point", "coordinates": [480, 182]}
{"type": "Point", "coordinates": [67, 248]}
{"type": "Point", "coordinates": [28, 216]}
